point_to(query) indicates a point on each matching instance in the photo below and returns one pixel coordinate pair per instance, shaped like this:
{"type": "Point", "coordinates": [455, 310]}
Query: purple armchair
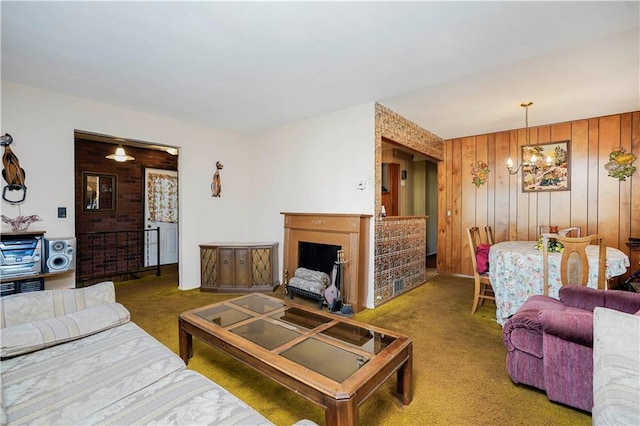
{"type": "Point", "coordinates": [550, 342]}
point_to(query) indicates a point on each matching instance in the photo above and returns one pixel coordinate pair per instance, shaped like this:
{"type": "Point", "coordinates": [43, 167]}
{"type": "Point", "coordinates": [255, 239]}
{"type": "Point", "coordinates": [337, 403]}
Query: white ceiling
{"type": "Point", "coordinates": [455, 68]}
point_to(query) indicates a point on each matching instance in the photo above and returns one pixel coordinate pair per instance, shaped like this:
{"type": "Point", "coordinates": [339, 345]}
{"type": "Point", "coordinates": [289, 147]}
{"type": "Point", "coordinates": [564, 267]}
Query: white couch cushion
{"type": "Point", "coordinates": [35, 335]}
{"type": "Point", "coordinates": [66, 383]}
{"type": "Point", "coordinates": [183, 398]}
{"type": "Point", "coordinates": [616, 368]}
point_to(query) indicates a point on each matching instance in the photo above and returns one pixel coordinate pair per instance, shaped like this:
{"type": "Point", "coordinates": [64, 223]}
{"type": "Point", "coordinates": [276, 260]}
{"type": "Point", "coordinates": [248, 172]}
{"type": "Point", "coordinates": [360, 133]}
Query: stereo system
{"type": "Point", "coordinates": [60, 254]}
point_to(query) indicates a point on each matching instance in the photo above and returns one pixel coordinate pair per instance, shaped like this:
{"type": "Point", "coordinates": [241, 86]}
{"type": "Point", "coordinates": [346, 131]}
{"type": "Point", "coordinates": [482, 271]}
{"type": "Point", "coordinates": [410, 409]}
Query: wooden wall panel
{"type": "Point", "coordinates": [456, 207]}
{"type": "Point", "coordinates": [501, 189]}
{"type": "Point", "coordinates": [624, 229]}
{"type": "Point", "coordinates": [634, 181]}
{"type": "Point", "coordinates": [609, 188]}
{"type": "Point", "coordinates": [596, 202]}
{"type": "Point", "coordinates": [594, 177]}
{"type": "Point", "coordinates": [468, 206]}
{"type": "Point", "coordinates": [580, 173]}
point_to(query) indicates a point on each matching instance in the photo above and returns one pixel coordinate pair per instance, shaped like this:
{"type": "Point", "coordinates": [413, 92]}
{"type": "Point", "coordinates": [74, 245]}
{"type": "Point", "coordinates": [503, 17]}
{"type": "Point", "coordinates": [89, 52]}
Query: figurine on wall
{"type": "Point", "coordinates": [216, 185]}
{"type": "Point", "coordinates": [12, 173]}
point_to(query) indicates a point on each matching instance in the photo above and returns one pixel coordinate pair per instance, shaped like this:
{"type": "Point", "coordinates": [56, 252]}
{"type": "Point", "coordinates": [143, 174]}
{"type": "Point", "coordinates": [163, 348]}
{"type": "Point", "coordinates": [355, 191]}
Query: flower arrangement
{"type": "Point", "coordinates": [480, 173]}
{"type": "Point", "coordinates": [620, 164]}
{"type": "Point", "coordinates": [554, 246]}
{"type": "Point", "coordinates": [21, 223]}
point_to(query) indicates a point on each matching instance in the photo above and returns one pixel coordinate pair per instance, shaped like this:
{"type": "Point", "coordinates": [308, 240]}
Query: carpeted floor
{"type": "Point", "coordinates": [459, 373]}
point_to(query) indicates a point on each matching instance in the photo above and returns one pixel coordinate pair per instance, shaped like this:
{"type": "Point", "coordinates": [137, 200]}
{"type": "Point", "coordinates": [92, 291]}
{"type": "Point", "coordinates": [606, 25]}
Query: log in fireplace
{"type": "Point", "coordinates": [349, 232]}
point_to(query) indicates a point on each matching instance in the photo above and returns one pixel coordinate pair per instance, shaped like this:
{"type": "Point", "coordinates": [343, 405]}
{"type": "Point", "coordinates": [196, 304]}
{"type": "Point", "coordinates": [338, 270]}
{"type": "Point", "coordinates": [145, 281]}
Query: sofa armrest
{"type": "Point", "coordinates": [623, 301]}
{"type": "Point", "coordinates": [577, 296]}
{"type": "Point", "coordinates": [23, 308]}
{"type": "Point", "coordinates": [571, 325]}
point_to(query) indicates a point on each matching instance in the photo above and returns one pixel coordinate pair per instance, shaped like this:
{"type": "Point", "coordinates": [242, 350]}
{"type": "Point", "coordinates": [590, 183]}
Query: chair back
{"type": "Point", "coordinates": [483, 290]}
{"type": "Point", "coordinates": [575, 248]}
{"type": "Point", "coordinates": [489, 234]}
{"type": "Point", "coordinates": [574, 263]}
{"type": "Point", "coordinates": [473, 234]}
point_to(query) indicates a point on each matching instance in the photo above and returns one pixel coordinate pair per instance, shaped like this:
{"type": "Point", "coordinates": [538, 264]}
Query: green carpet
{"type": "Point", "coordinates": [459, 373]}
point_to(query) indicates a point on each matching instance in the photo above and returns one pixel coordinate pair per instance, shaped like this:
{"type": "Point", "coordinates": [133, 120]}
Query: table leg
{"type": "Point", "coordinates": [186, 342]}
{"type": "Point", "coordinates": [343, 412]}
{"type": "Point", "coordinates": [403, 379]}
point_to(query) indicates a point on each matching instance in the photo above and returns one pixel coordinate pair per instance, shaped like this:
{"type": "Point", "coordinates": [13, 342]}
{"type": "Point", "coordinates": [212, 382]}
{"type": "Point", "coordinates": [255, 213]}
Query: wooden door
{"type": "Point", "coordinates": [242, 268]}
{"type": "Point", "coordinates": [226, 265]}
{"type": "Point", "coordinates": [390, 197]}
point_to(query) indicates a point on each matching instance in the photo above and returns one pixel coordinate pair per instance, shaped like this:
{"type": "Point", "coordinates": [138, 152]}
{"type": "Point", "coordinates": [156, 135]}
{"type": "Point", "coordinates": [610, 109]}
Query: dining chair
{"type": "Point", "coordinates": [574, 263]}
{"type": "Point", "coordinates": [483, 289]}
{"type": "Point", "coordinates": [489, 233]}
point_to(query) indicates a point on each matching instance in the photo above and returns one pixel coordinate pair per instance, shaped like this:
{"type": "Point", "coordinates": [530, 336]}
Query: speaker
{"type": "Point", "coordinates": [60, 254]}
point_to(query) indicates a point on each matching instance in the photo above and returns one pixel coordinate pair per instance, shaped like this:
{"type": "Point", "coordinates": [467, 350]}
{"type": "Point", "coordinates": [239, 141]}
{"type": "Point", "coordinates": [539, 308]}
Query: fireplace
{"type": "Point", "coordinates": [317, 257]}
{"type": "Point", "coordinates": [347, 232]}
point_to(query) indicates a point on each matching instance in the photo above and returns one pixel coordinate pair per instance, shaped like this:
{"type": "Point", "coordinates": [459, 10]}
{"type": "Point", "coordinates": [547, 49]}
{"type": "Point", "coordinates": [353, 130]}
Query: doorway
{"type": "Point", "coordinates": [112, 241]}
{"type": "Point", "coordinates": [161, 213]}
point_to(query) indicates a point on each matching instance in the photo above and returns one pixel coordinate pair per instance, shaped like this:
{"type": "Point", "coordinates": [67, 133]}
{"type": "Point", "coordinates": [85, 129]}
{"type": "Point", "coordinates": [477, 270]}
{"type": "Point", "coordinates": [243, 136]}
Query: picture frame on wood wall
{"type": "Point", "coordinates": [546, 167]}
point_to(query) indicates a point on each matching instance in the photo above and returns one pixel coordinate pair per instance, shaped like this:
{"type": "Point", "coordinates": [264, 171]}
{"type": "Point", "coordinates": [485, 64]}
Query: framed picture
{"type": "Point", "coordinates": [546, 167]}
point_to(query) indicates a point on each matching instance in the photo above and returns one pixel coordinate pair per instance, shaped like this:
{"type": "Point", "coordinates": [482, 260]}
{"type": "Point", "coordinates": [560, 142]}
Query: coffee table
{"type": "Point", "coordinates": [332, 361]}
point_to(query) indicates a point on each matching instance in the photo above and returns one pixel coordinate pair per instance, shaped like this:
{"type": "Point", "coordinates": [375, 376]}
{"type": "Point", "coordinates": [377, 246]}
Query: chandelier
{"type": "Point", "coordinates": [530, 159]}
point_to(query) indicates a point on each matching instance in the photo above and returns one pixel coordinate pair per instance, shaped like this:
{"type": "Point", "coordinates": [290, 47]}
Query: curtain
{"type": "Point", "coordinates": [162, 199]}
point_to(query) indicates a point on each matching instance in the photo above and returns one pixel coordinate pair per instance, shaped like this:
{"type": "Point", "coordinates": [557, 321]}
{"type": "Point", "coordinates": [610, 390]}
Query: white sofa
{"type": "Point", "coordinates": [72, 357]}
{"type": "Point", "coordinates": [616, 367]}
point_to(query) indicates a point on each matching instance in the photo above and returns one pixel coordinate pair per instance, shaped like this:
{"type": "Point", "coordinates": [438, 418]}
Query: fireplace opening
{"type": "Point", "coordinates": [317, 257]}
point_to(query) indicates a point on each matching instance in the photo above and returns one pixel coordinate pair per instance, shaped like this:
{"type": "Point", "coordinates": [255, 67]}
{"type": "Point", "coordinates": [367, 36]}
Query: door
{"type": "Point", "coordinates": [161, 211]}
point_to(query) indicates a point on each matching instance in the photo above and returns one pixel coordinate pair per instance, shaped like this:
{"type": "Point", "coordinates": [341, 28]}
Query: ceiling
{"type": "Point", "coordinates": [455, 68]}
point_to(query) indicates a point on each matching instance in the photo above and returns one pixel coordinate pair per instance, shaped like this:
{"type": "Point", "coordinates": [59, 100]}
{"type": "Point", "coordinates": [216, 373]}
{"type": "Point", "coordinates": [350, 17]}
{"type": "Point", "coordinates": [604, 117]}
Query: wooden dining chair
{"type": "Point", "coordinates": [574, 263]}
{"type": "Point", "coordinates": [489, 233]}
{"type": "Point", "coordinates": [483, 289]}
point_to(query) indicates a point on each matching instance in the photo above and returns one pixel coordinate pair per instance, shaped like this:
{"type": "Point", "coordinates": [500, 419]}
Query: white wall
{"type": "Point", "coordinates": [309, 166]}
{"type": "Point", "coordinates": [313, 166]}
{"type": "Point", "coordinates": [42, 124]}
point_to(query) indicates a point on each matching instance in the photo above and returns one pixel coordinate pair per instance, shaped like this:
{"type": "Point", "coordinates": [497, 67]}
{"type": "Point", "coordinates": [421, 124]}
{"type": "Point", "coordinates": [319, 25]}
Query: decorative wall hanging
{"type": "Point", "coordinates": [480, 173]}
{"type": "Point", "coordinates": [620, 164]}
{"type": "Point", "coordinates": [216, 185]}
{"type": "Point", "coordinates": [21, 223]}
{"type": "Point", "coordinates": [546, 167]}
{"type": "Point", "coordinates": [12, 173]}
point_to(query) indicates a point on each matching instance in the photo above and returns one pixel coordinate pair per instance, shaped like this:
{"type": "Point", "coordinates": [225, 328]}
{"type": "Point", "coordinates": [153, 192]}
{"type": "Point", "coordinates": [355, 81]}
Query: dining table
{"type": "Point", "coordinates": [516, 272]}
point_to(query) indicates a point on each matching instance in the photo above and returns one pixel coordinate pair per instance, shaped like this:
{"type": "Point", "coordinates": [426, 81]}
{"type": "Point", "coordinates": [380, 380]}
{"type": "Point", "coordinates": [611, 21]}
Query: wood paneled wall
{"type": "Point", "coordinates": [596, 202]}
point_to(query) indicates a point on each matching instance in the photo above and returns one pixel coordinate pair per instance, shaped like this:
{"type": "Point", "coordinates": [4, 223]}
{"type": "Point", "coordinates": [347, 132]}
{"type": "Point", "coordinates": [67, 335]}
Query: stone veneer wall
{"type": "Point", "coordinates": [400, 243]}
{"type": "Point", "coordinates": [399, 254]}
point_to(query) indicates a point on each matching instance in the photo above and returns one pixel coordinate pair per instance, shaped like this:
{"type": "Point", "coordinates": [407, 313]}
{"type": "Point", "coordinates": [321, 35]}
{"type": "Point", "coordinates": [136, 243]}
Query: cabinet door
{"type": "Point", "coordinates": [242, 268]}
{"type": "Point", "coordinates": [226, 265]}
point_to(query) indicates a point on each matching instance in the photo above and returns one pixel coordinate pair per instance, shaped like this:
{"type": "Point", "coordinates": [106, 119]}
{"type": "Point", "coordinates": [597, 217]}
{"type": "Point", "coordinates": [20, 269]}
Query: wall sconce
{"type": "Point", "coordinates": [120, 156]}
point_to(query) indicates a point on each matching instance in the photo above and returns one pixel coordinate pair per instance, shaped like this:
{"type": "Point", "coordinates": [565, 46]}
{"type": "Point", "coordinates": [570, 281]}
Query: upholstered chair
{"type": "Point", "coordinates": [550, 342]}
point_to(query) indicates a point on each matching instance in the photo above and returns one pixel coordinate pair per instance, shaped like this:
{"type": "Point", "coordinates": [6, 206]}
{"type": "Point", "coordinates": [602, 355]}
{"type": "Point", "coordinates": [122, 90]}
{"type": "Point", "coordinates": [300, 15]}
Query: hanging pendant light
{"type": "Point", "coordinates": [528, 161]}
{"type": "Point", "coordinates": [120, 155]}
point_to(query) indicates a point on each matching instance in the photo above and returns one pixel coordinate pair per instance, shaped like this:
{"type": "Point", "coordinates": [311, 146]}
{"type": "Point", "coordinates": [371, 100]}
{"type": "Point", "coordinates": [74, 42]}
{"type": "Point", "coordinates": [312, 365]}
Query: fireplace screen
{"type": "Point", "coordinates": [317, 257]}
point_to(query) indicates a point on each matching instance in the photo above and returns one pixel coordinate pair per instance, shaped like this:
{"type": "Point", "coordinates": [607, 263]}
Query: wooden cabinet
{"type": "Point", "coordinates": [238, 267]}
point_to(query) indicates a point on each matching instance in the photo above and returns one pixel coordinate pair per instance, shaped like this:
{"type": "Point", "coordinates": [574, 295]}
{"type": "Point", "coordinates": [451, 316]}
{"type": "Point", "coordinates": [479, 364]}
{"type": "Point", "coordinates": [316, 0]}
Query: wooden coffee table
{"type": "Point", "coordinates": [333, 361]}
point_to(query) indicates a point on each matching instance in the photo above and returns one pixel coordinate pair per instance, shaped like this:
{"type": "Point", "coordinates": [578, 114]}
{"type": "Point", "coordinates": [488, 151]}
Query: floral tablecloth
{"type": "Point", "coordinates": [515, 269]}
